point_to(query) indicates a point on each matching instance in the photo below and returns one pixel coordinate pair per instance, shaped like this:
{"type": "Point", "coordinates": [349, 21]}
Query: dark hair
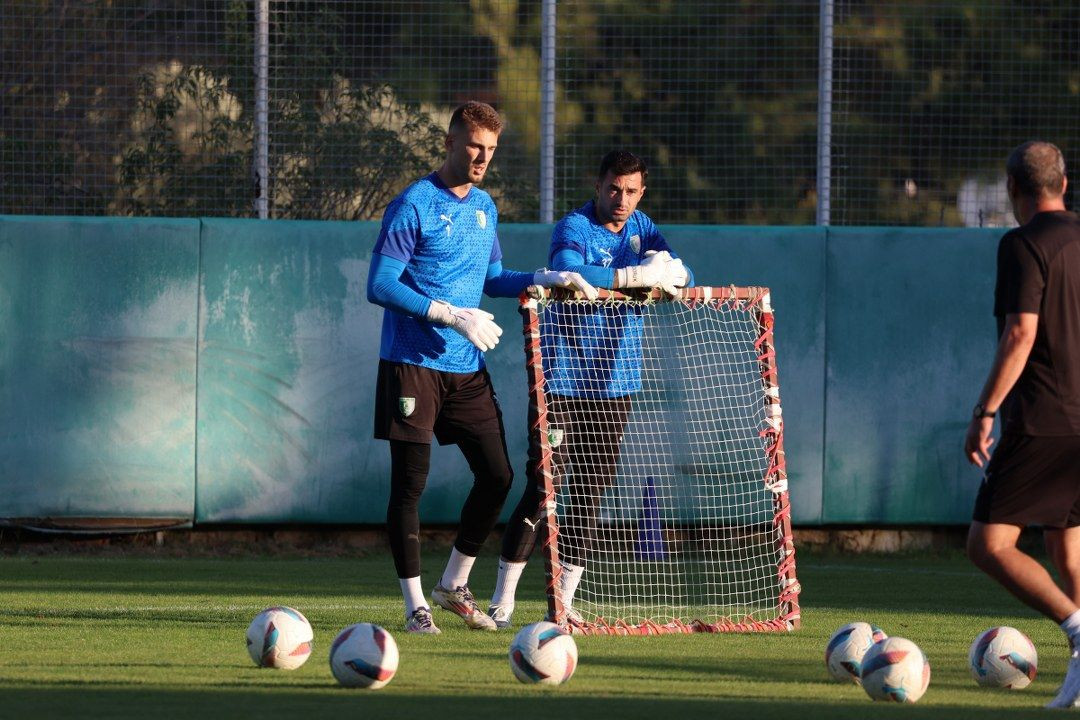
{"type": "Point", "coordinates": [622, 162]}
{"type": "Point", "coordinates": [1037, 169]}
{"type": "Point", "coordinates": [476, 114]}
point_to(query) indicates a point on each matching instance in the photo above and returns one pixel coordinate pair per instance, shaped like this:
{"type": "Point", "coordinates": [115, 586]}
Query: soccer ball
{"type": "Point", "coordinates": [1003, 657]}
{"type": "Point", "coordinates": [279, 637]}
{"type": "Point", "coordinates": [895, 669]}
{"type": "Point", "coordinates": [364, 656]}
{"type": "Point", "coordinates": [543, 653]}
{"type": "Point", "coordinates": [845, 649]}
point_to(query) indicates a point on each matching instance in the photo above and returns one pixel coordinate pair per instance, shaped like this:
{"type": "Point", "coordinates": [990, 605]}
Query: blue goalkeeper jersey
{"type": "Point", "coordinates": [446, 243]}
{"type": "Point", "coordinates": [595, 351]}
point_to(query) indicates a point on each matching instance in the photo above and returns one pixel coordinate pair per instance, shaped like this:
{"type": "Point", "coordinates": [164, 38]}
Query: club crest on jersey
{"type": "Point", "coordinates": [555, 437]}
{"type": "Point", "coordinates": [635, 243]}
{"type": "Point", "coordinates": [406, 405]}
{"type": "Point", "coordinates": [481, 219]}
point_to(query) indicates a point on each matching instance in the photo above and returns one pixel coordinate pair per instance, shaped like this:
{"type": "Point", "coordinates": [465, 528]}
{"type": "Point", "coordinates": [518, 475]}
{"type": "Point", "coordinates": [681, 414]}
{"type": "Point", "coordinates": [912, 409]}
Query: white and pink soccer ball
{"type": "Point", "coordinates": [895, 669]}
{"type": "Point", "coordinates": [1003, 657]}
{"type": "Point", "coordinates": [543, 653]}
{"type": "Point", "coordinates": [845, 650]}
{"type": "Point", "coordinates": [364, 656]}
{"type": "Point", "coordinates": [279, 637]}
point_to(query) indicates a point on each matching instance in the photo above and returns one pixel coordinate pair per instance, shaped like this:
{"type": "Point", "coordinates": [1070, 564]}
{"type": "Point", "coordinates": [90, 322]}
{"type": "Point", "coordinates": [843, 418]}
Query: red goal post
{"type": "Point", "coordinates": [682, 523]}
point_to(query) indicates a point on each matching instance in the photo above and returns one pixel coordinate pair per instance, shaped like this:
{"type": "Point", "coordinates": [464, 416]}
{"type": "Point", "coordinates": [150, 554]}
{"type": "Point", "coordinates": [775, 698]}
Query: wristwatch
{"type": "Point", "coordinates": [980, 411]}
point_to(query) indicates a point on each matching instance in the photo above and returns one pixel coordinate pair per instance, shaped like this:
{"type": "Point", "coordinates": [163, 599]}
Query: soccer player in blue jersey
{"type": "Point", "coordinates": [592, 371]}
{"type": "Point", "coordinates": [436, 253]}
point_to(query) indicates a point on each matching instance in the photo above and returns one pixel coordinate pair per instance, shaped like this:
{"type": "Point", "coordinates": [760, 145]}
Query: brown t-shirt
{"type": "Point", "coordinates": [1038, 271]}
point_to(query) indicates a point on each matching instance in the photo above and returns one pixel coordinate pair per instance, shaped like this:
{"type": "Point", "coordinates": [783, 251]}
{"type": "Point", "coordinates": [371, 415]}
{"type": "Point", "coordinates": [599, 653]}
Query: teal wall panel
{"type": "Point", "coordinates": [289, 352]}
{"type": "Point", "coordinates": [97, 367]}
{"type": "Point", "coordinates": [884, 337]}
{"type": "Point", "coordinates": [910, 340]}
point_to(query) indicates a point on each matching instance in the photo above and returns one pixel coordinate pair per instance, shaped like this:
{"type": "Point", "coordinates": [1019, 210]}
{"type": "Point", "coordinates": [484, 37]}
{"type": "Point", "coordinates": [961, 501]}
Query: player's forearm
{"type": "Point", "coordinates": [505, 283]}
{"type": "Point", "coordinates": [1013, 351]}
{"type": "Point", "coordinates": [385, 288]}
{"type": "Point", "coordinates": [595, 275]}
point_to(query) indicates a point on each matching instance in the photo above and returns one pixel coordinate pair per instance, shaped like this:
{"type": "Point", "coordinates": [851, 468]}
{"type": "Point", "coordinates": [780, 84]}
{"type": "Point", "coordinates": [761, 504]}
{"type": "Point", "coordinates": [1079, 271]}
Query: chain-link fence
{"type": "Point", "coordinates": [775, 111]}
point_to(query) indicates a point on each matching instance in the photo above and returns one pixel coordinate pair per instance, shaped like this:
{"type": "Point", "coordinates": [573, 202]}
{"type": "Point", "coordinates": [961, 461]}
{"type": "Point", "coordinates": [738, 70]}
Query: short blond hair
{"type": "Point", "coordinates": [476, 114]}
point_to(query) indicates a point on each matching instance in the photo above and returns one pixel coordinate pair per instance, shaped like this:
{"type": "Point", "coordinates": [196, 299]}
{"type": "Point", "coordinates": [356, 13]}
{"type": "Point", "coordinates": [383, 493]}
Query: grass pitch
{"type": "Point", "coordinates": [138, 637]}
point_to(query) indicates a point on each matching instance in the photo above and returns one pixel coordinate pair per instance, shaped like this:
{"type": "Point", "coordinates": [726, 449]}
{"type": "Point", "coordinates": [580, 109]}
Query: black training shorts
{"type": "Point", "coordinates": [1032, 480]}
{"type": "Point", "coordinates": [412, 402]}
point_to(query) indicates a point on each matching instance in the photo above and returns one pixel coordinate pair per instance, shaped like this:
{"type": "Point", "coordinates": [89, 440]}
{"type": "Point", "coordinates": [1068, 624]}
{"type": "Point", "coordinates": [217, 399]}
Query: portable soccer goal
{"type": "Point", "coordinates": [657, 427]}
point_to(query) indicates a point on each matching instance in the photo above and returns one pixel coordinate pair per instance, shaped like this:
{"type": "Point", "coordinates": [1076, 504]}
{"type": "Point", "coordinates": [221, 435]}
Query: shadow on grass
{"type": "Point", "coordinates": [86, 700]}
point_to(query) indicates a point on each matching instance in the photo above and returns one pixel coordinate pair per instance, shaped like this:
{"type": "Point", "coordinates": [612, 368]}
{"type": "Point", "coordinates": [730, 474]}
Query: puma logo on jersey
{"type": "Point", "coordinates": [449, 222]}
{"type": "Point", "coordinates": [605, 257]}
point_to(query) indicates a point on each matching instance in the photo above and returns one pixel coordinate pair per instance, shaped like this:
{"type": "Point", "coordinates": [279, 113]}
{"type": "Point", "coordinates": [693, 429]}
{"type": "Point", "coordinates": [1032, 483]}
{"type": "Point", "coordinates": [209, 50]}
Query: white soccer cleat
{"type": "Point", "coordinates": [461, 602]}
{"type": "Point", "coordinates": [1069, 694]}
{"type": "Point", "coordinates": [501, 614]}
{"type": "Point", "coordinates": [421, 623]}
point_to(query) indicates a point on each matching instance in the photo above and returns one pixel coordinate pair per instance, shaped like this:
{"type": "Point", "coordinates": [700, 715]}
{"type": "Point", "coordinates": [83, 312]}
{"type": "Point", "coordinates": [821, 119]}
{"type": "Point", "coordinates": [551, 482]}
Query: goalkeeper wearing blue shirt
{"type": "Point", "coordinates": [436, 253]}
{"type": "Point", "coordinates": [591, 371]}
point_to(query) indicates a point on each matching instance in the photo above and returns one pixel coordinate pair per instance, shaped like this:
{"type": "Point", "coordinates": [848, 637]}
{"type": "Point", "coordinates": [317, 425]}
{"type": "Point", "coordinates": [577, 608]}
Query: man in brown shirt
{"type": "Point", "coordinates": [1033, 477]}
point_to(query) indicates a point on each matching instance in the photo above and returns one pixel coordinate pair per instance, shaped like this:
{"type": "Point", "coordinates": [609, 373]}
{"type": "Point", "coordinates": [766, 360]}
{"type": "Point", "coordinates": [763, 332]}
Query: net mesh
{"type": "Point", "coordinates": [126, 107]}
{"type": "Point", "coordinates": [663, 428]}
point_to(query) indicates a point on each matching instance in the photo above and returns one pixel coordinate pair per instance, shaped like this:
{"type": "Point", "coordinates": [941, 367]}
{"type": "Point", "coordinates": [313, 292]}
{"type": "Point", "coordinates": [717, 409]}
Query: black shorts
{"type": "Point", "coordinates": [412, 402]}
{"type": "Point", "coordinates": [1032, 481]}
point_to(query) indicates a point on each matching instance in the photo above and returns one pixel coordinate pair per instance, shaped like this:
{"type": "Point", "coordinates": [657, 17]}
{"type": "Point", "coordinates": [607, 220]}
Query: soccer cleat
{"type": "Point", "coordinates": [421, 623]}
{"type": "Point", "coordinates": [501, 614]}
{"type": "Point", "coordinates": [1069, 694]}
{"type": "Point", "coordinates": [461, 602]}
{"type": "Point", "coordinates": [570, 616]}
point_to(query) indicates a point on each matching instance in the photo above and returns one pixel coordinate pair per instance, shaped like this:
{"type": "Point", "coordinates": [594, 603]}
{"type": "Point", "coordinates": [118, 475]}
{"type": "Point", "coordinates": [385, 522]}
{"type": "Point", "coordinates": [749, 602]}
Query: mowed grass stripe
{"type": "Point", "coordinates": [132, 637]}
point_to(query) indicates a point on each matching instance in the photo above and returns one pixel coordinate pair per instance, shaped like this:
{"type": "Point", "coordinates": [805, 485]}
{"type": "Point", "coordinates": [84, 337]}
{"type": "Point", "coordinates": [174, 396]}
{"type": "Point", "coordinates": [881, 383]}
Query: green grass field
{"type": "Point", "coordinates": [138, 637]}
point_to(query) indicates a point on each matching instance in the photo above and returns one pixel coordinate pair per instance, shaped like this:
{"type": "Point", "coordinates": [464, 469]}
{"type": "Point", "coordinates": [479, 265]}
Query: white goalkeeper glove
{"type": "Point", "coordinates": [564, 279]}
{"type": "Point", "coordinates": [473, 324]}
{"type": "Point", "coordinates": [677, 273]}
{"type": "Point", "coordinates": [658, 270]}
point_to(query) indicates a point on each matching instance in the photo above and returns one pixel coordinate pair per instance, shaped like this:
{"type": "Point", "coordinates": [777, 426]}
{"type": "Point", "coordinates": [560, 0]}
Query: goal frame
{"type": "Point", "coordinates": [788, 615]}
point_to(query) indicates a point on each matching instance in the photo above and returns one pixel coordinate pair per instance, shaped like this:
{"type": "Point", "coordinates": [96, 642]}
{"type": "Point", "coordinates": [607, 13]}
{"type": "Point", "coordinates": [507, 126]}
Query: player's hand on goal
{"type": "Point", "coordinates": [474, 324]}
{"type": "Point", "coordinates": [677, 273]}
{"type": "Point", "coordinates": [564, 279]}
{"type": "Point", "coordinates": [658, 270]}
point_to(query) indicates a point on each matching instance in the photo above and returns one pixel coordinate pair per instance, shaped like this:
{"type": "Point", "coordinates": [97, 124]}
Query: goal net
{"type": "Point", "coordinates": [657, 427]}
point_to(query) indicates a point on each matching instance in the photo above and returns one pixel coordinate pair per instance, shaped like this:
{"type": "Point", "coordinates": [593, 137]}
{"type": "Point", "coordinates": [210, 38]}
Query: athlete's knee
{"type": "Point", "coordinates": [988, 545]}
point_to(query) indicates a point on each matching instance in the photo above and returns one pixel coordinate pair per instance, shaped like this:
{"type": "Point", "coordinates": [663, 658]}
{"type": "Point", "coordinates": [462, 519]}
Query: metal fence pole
{"type": "Point", "coordinates": [824, 130]}
{"type": "Point", "coordinates": [547, 112]}
{"type": "Point", "coordinates": [262, 134]}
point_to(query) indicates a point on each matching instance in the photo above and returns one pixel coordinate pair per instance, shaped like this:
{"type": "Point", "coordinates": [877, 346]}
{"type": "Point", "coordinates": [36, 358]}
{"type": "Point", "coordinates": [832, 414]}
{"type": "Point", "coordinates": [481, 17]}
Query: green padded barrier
{"type": "Point", "coordinates": [884, 336]}
{"type": "Point", "coordinates": [287, 377]}
{"type": "Point", "coordinates": [911, 336]}
{"type": "Point", "coordinates": [97, 367]}
{"type": "Point", "coordinates": [287, 367]}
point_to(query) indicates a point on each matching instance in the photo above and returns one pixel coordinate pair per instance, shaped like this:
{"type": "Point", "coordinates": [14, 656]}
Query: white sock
{"type": "Point", "coordinates": [413, 593]}
{"type": "Point", "coordinates": [457, 570]}
{"type": "Point", "coordinates": [571, 576]}
{"type": "Point", "coordinates": [507, 581]}
{"type": "Point", "coordinates": [1071, 626]}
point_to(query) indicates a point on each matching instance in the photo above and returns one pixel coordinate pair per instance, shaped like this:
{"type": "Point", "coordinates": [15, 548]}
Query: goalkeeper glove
{"type": "Point", "coordinates": [473, 324]}
{"type": "Point", "coordinates": [658, 270]}
{"type": "Point", "coordinates": [564, 279]}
